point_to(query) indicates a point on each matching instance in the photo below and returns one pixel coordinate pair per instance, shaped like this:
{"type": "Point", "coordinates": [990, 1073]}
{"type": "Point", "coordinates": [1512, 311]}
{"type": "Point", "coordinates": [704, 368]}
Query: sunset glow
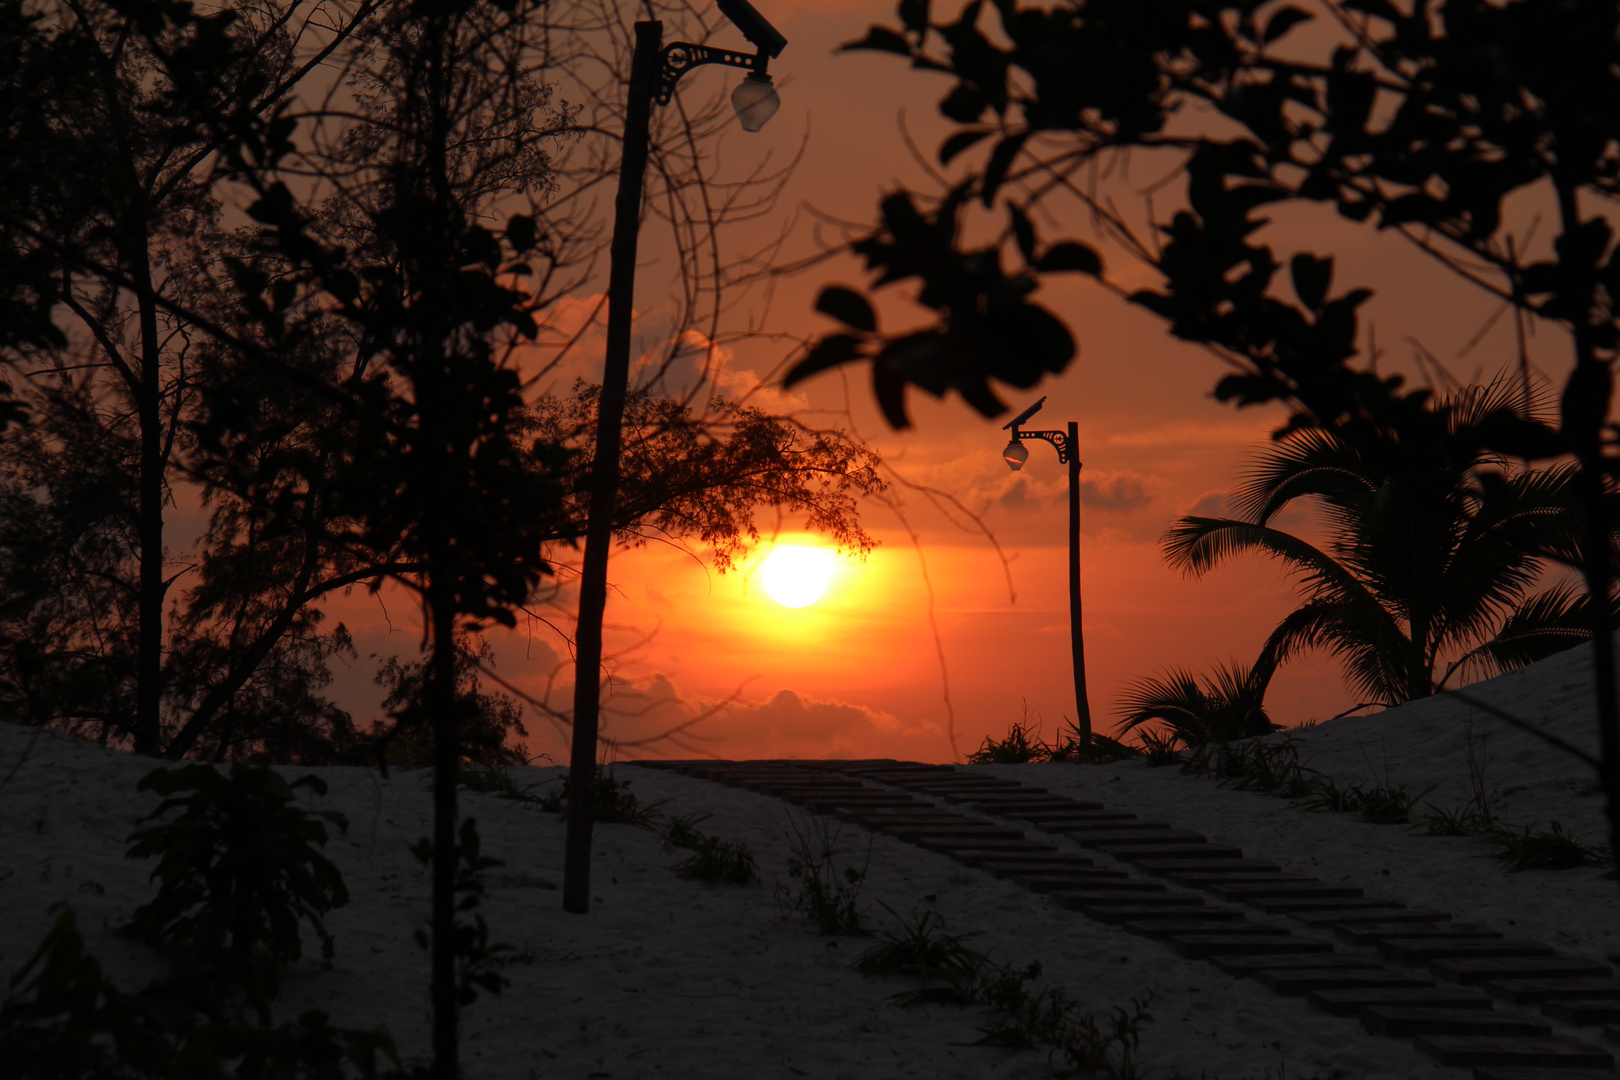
{"type": "Point", "coordinates": [796, 576]}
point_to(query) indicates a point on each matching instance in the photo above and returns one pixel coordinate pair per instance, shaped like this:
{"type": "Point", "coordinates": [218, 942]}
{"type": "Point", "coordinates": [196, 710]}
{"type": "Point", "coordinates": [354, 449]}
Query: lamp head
{"type": "Point", "coordinates": [755, 101]}
{"type": "Point", "coordinates": [1016, 422]}
{"type": "Point", "coordinates": [754, 26]}
{"type": "Point", "coordinates": [1016, 453]}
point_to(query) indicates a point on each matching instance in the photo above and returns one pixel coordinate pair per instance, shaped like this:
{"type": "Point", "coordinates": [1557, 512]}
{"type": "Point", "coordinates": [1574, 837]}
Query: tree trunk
{"type": "Point", "coordinates": [439, 694]}
{"type": "Point", "coordinates": [148, 729]}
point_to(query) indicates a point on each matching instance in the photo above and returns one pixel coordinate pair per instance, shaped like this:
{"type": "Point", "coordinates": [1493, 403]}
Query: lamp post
{"type": "Point", "coordinates": [654, 71]}
{"type": "Point", "coordinates": [1015, 454]}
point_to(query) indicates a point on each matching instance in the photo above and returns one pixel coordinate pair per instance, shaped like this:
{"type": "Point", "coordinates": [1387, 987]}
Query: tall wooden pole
{"type": "Point", "coordinates": [605, 471]}
{"type": "Point", "coordinates": [1082, 703]}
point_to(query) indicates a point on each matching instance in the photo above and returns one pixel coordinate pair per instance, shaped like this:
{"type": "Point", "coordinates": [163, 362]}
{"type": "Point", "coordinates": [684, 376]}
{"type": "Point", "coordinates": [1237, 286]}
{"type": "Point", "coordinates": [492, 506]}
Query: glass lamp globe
{"type": "Point", "coordinates": [755, 101]}
{"type": "Point", "coordinates": [1015, 455]}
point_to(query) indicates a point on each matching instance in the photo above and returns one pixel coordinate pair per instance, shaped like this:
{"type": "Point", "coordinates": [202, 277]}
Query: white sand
{"type": "Point", "coordinates": [667, 977]}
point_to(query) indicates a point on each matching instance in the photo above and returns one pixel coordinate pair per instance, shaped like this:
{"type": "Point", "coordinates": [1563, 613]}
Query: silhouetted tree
{"type": "Point", "coordinates": [1433, 559]}
{"type": "Point", "coordinates": [112, 157]}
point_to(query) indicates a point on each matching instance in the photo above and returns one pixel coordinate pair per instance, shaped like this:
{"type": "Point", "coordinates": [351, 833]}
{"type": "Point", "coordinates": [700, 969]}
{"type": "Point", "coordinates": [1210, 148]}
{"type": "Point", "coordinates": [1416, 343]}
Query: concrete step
{"type": "Point", "coordinates": [1203, 879]}
{"type": "Point", "coordinates": [1158, 835]}
{"type": "Point", "coordinates": [1422, 950]}
{"type": "Point", "coordinates": [1583, 1011]}
{"type": "Point", "coordinates": [1133, 852]}
{"type": "Point", "coordinates": [1081, 899]}
{"type": "Point", "coordinates": [1199, 946]}
{"type": "Point", "coordinates": [1029, 809]}
{"type": "Point", "coordinates": [1056, 818]}
{"type": "Point", "coordinates": [1485, 1050]}
{"type": "Point", "coordinates": [1054, 862]}
{"type": "Point", "coordinates": [1167, 866]}
{"type": "Point", "coordinates": [974, 852]}
{"type": "Point", "coordinates": [1248, 964]}
{"type": "Point", "coordinates": [963, 830]}
{"type": "Point", "coordinates": [1126, 828]}
{"type": "Point", "coordinates": [1106, 881]}
{"type": "Point", "coordinates": [1371, 933]}
{"type": "Point", "coordinates": [1294, 982]}
{"type": "Point", "coordinates": [1404, 1020]}
{"type": "Point", "coordinates": [1168, 927]}
{"type": "Point", "coordinates": [1523, 989]}
{"type": "Point", "coordinates": [1288, 906]}
{"type": "Point", "coordinates": [1349, 1001]}
{"type": "Point", "coordinates": [1335, 916]}
{"type": "Point", "coordinates": [1469, 971]}
{"type": "Point", "coordinates": [1284, 890]}
{"type": "Point", "coordinates": [1116, 913]}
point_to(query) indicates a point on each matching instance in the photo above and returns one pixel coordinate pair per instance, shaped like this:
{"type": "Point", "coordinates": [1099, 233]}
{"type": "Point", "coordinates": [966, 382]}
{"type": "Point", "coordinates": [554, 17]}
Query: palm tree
{"type": "Point", "coordinates": [1434, 553]}
{"type": "Point", "coordinates": [1227, 705]}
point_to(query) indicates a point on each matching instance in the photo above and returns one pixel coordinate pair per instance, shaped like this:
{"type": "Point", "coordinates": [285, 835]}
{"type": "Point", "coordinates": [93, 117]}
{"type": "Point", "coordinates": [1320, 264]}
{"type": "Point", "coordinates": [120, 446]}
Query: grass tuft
{"type": "Point", "coordinates": [1534, 849]}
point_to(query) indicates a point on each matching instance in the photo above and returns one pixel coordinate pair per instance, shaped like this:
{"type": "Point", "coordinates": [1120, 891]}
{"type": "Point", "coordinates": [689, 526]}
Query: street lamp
{"type": "Point", "coordinates": [1015, 454]}
{"type": "Point", "coordinates": [654, 71]}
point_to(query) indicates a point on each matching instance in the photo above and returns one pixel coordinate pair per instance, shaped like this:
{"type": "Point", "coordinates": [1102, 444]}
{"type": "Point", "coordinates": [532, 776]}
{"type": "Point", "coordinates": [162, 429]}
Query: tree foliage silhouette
{"type": "Point", "coordinates": [1423, 119]}
{"type": "Point", "coordinates": [1433, 559]}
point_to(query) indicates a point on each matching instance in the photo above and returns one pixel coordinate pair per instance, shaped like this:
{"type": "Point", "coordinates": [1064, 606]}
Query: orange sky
{"type": "Point", "coordinates": [859, 673]}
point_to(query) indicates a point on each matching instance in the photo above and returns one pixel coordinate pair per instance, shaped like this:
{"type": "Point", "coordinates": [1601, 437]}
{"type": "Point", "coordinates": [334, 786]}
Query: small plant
{"type": "Point", "coordinates": [1254, 765]}
{"type": "Point", "coordinates": [1160, 747]}
{"type": "Point", "coordinates": [65, 1020]}
{"type": "Point", "coordinates": [1460, 819]}
{"type": "Point", "coordinates": [494, 778]}
{"type": "Point", "coordinates": [1022, 745]}
{"type": "Point", "coordinates": [1533, 849]}
{"type": "Point", "coordinates": [1382, 805]}
{"type": "Point", "coordinates": [478, 961]}
{"type": "Point", "coordinates": [920, 950]}
{"type": "Point", "coordinates": [238, 868]}
{"type": "Point", "coordinates": [1101, 750]}
{"type": "Point", "coordinates": [827, 894]}
{"type": "Point", "coordinates": [714, 860]}
{"type": "Point", "coordinates": [616, 804]}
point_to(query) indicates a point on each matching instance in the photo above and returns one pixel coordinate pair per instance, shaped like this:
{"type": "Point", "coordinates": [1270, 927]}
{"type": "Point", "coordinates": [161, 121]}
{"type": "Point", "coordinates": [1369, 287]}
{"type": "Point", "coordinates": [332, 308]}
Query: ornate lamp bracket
{"type": "Point", "coordinates": [679, 57]}
{"type": "Point", "coordinates": [1058, 439]}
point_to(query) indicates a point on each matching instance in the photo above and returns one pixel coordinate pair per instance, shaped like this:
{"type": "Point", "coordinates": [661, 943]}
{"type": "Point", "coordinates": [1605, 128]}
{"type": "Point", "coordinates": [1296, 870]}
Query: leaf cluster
{"type": "Point", "coordinates": [65, 1020]}
{"type": "Point", "coordinates": [239, 866]}
{"type": "Point", "coordinates": [1424, 120]}
{"type": "Point", "coordinates": [477, 959]}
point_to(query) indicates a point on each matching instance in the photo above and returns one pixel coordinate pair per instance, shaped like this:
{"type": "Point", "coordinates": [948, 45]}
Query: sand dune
{"type": "Point", "coordinates": [668, 977]}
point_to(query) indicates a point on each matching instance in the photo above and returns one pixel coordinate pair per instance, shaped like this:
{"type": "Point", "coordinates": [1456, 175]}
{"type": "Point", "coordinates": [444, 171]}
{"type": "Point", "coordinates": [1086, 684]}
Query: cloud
{"type": "Point", "coordinates": [1209, 504]}
{"type": "Point", "coordinates": [654, 720]}
{"type": "Point", "coordinates": [1117, 491]}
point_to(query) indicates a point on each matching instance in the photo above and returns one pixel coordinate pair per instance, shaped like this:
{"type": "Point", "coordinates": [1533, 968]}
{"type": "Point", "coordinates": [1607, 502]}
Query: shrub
{"type": "Point", "coordinates": [1533, 849]}
{"type": "Point", "coordinates": [69, 1022]}
{"type": "Point", "coordinates": [1160, 747]}
{"type": "Point", "coordinates": [825, 893]}
{"type": "Point", "coordinates": [714, 860]}
{"type": "Point", "coordinates": [920, 950]}
{"type": "Point", "coordinates": [1101, 750]}
{"type": "Point", "coordinates": [1025, 1017]}
{"type": "Point", "coordinates": [1460, 819]}
{"type": "Point", "coordinates": [1022, 745]}
{"type": "Point", "coordinates": [238, 869]}
{"type": "Point", "coordinates": [616, 804]}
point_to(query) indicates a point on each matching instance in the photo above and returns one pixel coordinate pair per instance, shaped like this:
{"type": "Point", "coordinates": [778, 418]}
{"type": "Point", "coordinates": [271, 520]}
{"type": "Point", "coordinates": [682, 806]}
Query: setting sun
{"type": "Point", "coordinates": [796, 576]}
